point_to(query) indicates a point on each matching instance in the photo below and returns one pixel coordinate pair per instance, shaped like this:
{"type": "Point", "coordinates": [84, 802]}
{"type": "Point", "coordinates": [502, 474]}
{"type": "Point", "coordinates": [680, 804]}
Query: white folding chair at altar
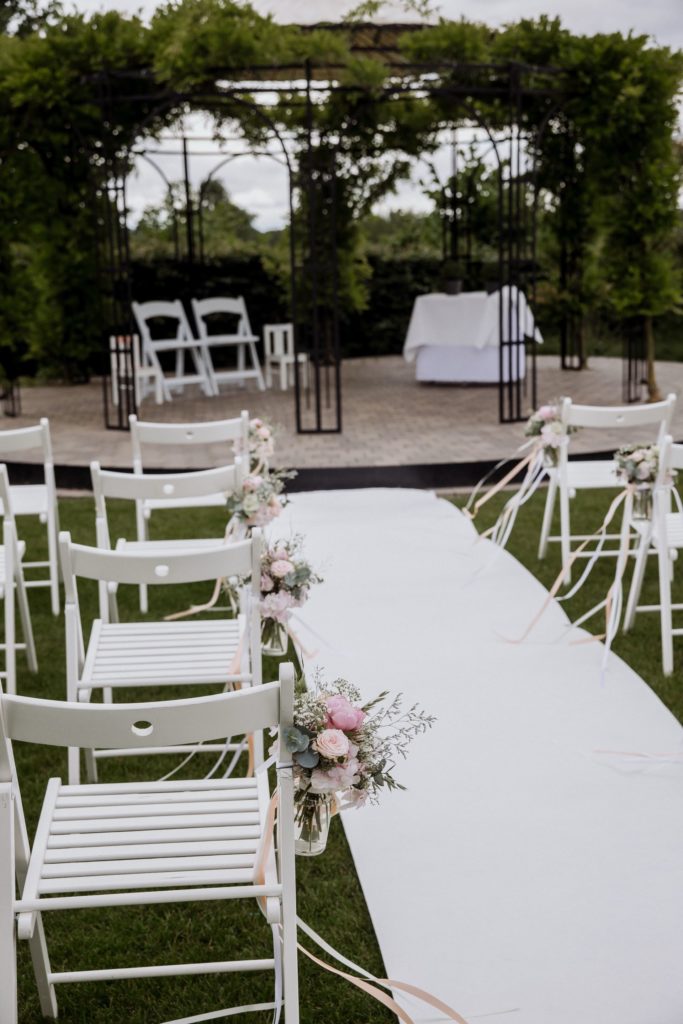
{"type": "Point", "coordinates": [573, 476]}
{"type": "Point", "coordinates": [141, 844]}
{"type": "Point", "coordinates": [181, 342]}
{"type": "Point", "coordinates": [242, 338]}
{"type": "Point", "coordinates": [13, 588]}
{"type": "Point", "coordinates": [662, 536]}
{"type": "Point", "coordinates": [143, 488]}
{"type": "Point", "coordinates": [38, 500]}
{"type": "Point", "coordinates": [139, 655]}
{"type": "Point", "coordinates": [278, 351]}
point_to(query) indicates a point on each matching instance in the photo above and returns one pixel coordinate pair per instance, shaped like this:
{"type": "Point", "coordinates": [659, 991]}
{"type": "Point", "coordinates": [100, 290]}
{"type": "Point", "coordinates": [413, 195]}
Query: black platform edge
{"type": "Point", "coordinates": [439, 476]}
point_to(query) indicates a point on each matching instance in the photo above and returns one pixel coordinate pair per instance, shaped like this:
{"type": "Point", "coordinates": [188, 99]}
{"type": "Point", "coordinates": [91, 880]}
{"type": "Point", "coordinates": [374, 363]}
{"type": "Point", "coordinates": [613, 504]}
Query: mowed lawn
{"type": "Point", "coordinates": [330, 897]}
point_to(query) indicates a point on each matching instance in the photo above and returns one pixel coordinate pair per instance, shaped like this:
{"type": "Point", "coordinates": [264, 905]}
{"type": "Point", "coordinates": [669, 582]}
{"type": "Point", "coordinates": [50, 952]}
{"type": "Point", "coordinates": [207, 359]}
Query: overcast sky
{"type": "Point", "coordinates": [260, 185]}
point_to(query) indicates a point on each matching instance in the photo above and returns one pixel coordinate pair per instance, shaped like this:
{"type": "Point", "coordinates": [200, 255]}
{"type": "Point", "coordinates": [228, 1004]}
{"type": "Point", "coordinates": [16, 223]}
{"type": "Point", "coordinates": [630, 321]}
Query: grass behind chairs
{"type": "Point", "coordinates": [329, 893]}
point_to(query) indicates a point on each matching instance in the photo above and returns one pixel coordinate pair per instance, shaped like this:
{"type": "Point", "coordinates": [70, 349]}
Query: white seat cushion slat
{"type": "Point", "coordinates": [213, 833]}
{"type": "Point", "coordinates": [132, 810]}
{"type": "Point", "coordinates": [74, 854]}
{"type": "Point", "coordinates": [152, 879]}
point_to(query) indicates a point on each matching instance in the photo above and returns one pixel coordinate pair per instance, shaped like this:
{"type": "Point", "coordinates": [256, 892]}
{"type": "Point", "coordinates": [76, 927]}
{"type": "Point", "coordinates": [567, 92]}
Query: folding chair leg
{"type": "Point", "coordinates": [52, 534]}
{"type": "Point", "coordinates": [269, 374]}
{"type": "Point", "coordinates": [547, 517]}
{"type": "Point", "coordinates": [90, 766]}
{"type": "Point", "coordinates": [142, 534]}
{"type": "Point", "coordinates": [9, 1009]}
{"type": "Point", "coordinates": [663, 559]}
{"type": "Point", "coordinates": [565, 532]}
{"type": "Point", "coordinates": [283, 375]}
{"type": "Point", "coordinates": [41, 969]}
{"type": "Point", "coordinates": [26, 624]}
{"type": "Point", "coordinates": [636, 582]}
{"type": "Point", "coordinates": [256, 366]}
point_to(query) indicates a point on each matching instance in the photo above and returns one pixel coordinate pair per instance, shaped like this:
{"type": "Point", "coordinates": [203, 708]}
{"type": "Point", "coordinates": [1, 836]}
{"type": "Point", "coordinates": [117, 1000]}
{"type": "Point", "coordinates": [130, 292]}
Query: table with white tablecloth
{"type": "Point", "coordinates": [456, 338]}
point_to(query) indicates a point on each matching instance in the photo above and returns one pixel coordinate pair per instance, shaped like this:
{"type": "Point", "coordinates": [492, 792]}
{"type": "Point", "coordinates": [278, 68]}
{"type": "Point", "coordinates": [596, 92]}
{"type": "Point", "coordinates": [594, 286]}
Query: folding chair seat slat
{"type": "Point", "coordinates": [148, 880]}
{"type": "Point", "coordinates": [144, 864]}
{"type": "Point", "coordinates": [214, 833]}
{"type": "Point", "coordinates": [74, 854]}
{"type": "Point", "coordinates": [149, 821]}
{"type": "Point", "coordinates": [142, 809]}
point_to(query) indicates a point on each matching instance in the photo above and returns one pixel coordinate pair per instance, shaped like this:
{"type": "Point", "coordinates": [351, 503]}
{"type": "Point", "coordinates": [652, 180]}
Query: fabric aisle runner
{"type": "Point", "coordinates": [525, 874]}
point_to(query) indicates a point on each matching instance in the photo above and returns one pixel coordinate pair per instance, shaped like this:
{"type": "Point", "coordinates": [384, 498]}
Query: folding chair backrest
{"type": "Point", "coordinates": [146, 312]}
{"type": "Point", "coordinates": [611, 416]}
{"type": "Point", "coordinates": [141, 487]}
{"type": "Point", "coordinates": [12, 442]}
{"type": "Point", "coordinates": [670, 457]}
{"type": "Point", "coordinates": [278, 340]}
{"type": "Point", "coordinates": [181, 434]}
{"type": "Point", "coordinates": [145, 724]}
{"type": "Point", "coordinates": [194, 565]}
{"type": "Point", "coordinates": [235, 307]}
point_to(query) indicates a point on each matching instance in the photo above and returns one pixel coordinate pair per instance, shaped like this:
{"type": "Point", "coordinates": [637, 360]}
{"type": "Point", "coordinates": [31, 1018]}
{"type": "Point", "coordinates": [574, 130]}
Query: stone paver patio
{"type": "Point", "coordinates": [389, 419]}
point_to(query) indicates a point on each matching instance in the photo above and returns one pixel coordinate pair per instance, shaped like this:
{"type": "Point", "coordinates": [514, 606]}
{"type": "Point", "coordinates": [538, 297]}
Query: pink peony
{"type": "Point", "coordinates": [281, 568]}
{"type": "Point", "coordinates": [266, 583]}
{"type": "Point", "coordinates": [263, 433]}
{"type": "Point", "coordinates": [277, 606]}
{"type": "Point", "coordinates": [343, 715]}
{"type": "Point", "coordinates": [252, 483]}
{"type": "Point", "coordinates": [547, 412]}
{"type": "Point", "coordinates": [339, 777]}
{"type": "Point", "coordinates": [280, 553]}
{"type": "Point", "coordinates": [332, 743]}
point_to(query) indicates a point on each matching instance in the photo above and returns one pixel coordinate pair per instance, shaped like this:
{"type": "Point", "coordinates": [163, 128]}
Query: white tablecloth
{"type": "Point", "coordinates": [457, 337]}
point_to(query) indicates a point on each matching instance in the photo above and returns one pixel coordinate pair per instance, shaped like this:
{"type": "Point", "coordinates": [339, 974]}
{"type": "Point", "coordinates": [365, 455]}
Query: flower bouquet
{"type": "Point", "coordinates": [261, 442]}
{"type": "Point", "coordinates": [638, 466]}
{"type": "Point", "coordinates": [344, 752]}
{"type": "Point", "coordinates": [286, 578]}
{"type": "Point", "coordinates": [261, 499]}
{"type": "Point", "coordinates": [546, 424]}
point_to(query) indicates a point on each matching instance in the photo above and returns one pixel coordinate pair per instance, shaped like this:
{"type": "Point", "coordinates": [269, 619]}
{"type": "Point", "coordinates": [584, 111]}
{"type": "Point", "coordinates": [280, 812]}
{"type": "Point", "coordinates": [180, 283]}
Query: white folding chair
{"type": "Point", "coordinates": [278, 350]}
{"type": "Point", "coordinates": [191, 652]}
{"type": "Point", "coordinates": [13, 587]}
{"type": "Point", "coordinates": [37, 499]}
{"type": "Point", "coordinates": [142, 488]}
{"type": "Point", "coordinates": [128, 371]}
{"type": "Point", "coordinates": [663, 537]}
{"type": "Point", "coordinates": [141, 844]}
{"type": "Point", "coordinates": [584, 474]}
{"type": "Point", "coordinates": [242, 338]}
{"type": "Point", "coordinates": [182, 343]}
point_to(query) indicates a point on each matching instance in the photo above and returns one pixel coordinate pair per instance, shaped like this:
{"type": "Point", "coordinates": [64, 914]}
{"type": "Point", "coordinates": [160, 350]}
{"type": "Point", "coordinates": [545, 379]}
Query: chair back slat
{"type": "Point", "coordinates": [611, 416]}
{"type": "Point", "coordinates": [140, 487]}
{"type": "Point", "coordinates": [144, 724]}
{"type": "Point", "coordinates": [278, 340]}
{"type": "Point", "coordinates": [211, 432]}
{"type": "Point", "coordinates": [26, 439]}
{"type": "Point", "coordinates": [203, 308]}
{"type": "Point", "coordinates": [170, 567]}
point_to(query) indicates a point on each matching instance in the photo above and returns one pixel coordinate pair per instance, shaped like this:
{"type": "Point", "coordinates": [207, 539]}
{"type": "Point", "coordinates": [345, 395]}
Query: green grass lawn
{"type": "Point", "coordinates": [330, 897]}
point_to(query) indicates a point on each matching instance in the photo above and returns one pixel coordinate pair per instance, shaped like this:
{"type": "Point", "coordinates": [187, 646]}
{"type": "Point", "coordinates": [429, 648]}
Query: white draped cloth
{"type": "Point", "coordinates": [533, 870]}
{"type": "Point", "coordinates": [469, 320]}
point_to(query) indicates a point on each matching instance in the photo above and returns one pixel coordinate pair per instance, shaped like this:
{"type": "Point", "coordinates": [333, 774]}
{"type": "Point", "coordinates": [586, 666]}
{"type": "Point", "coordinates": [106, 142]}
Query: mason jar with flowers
{"type": "Point", "coordinates": [286, 579]}
{"type": "Point", "coordinates": [344, 752]}
{"type": "Point", "coordinates": [637, 466]}
{"type": "Point", "coordinates": [546, 424]}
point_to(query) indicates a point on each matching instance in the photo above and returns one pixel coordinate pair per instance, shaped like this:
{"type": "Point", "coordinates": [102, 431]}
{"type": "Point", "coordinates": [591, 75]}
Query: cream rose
{"type": "Point", "coordinates": [332, 743]}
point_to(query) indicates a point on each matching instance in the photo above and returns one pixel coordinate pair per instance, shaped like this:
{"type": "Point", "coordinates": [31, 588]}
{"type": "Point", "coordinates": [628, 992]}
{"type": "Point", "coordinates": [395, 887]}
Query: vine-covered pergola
{"type": "Point", "coordinates": [581, 128]}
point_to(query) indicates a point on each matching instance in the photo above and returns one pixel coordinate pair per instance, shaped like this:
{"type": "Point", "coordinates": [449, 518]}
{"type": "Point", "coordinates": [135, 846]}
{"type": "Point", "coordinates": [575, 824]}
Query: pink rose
{"type": "Point", "coordinates": [263, 433]}
{"type": "Point", "coordinates": [266, 583]}
{"type": "Point", "coordinates": [332, 743]}
{"type": "Point", "coordinates": [342, 715]}
{"type": "Point", "coordinates": [256, 423]}
{"type": "Point", "coordinates": [281, 568]}
{"type": "Point", "coordinates": [252, 483]}
{"type": "Point", "coordinates": [547, 412]}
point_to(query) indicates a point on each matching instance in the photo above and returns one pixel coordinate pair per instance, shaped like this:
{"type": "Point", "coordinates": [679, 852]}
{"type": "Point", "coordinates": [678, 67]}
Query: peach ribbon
{"type": "Point", "coordinates": [373, 987]}
{"type": "Point", "coordinates": [497, 487]}
{"type": "Point", "coordinates": [607, 602]}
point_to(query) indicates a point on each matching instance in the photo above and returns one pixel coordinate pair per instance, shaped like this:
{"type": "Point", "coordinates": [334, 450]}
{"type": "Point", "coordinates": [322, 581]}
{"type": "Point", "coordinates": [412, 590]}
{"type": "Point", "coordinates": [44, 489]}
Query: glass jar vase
{"type": "Point", "coordinates": [274, 638]}
{"type": "Point", "coordinates": [312, 819]}
{"type": "Point", "coordinates": [642, 502]}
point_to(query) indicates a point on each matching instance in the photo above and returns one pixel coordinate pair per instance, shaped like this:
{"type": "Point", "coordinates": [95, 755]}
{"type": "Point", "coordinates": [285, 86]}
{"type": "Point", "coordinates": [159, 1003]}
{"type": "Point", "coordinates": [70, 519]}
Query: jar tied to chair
{"type": "Point", "coordinates": [642, 502]}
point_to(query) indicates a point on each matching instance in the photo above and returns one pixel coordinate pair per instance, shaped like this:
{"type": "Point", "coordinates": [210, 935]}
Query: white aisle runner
{"type": "Point", "coordinates": [525, 875]}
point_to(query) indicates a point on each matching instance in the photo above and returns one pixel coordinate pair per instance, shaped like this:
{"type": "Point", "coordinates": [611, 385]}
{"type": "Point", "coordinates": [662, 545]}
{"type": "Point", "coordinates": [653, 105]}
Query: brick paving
{"type": "Point", "coordinates": [389, 419]}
